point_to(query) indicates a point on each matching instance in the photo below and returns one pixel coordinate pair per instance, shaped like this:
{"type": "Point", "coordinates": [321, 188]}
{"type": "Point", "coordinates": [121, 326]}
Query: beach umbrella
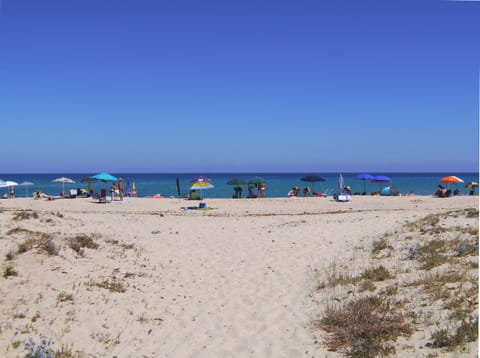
{"type": "Point", "coordinates": [26, 183]}
{"type": "Point", "coordinates": [451, 179]}
{"type": "Point", "coordinates": [177, 182]}
{"type": "Point", "coordinates": [257, 180]}
{"type": "Point", "coordinates": [381, 179]}
{"type": "Point", "coordinates": [7, 183]}
{"type": "Point", "coordinates": [104, 177]}
{"type": "Point", "coordinates": [201, 179]}
{"type": "Point", "coordinates": [236, 181]}
{"type": "Point", "coordinates": [364, 177]}
{"type": "Point", "coordinates": [202, 185]}
{"type": "Point", "coordinates": [472, 185]}
{"type": "Point", "coordinates": [341, 183]}
{"type": "Point", "coordinates": [63, 180]}
{"type": "Point", "coordinates": [312, 179]}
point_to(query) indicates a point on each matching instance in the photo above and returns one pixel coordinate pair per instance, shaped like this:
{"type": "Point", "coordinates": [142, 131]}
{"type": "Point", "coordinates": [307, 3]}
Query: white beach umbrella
{"type": "Point", "coordinates": [8, 183]}
{"type": "Point", "coordinates": [63, 180]}
{"type": "Point", "coordinates": [26, 183]}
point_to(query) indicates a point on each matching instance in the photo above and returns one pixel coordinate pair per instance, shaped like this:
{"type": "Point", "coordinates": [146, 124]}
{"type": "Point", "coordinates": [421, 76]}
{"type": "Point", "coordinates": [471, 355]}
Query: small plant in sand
{"type": "Point", "coordinates": [9, 256]}
{"type": "Point", "coordinates": [364, 327]}
{"type": "Point", "coordinates": [25, 215]}
{"type": "Point", "coordinates": [379, 273]}
{"type": "Point", "coordinates": [380, 245]}
{"type": "Point", "coordinates": [49, 247]}
{"type": "Point", "coordinates": [65, 297]}
{"type": "Point", "coordinates": [9, 271]}
{"type": "Point", "coordinates": [42, 349]}
{"type": "Point", "coordinates": [112, 284]}
{"type": "Point", "coordinates": [79, 242]}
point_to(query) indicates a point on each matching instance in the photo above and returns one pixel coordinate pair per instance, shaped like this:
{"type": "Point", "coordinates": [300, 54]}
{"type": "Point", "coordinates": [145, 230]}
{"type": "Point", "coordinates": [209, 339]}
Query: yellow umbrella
{"type": "Point", "coordinates": [471, 185]}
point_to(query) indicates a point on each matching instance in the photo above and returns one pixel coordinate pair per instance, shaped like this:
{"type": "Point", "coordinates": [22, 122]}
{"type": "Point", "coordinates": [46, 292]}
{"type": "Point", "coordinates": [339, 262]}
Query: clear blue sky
{"type": "Point", "coordinates": [251, 85]}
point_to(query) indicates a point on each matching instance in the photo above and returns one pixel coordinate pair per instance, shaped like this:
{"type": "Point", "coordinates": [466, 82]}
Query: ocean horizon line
{"type": "Point", "coordinates": [242, 172]}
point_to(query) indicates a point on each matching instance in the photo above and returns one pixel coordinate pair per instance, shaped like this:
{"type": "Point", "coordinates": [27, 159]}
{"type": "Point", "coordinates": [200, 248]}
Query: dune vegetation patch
{"type": "Point", "coordinates": [418, 275]}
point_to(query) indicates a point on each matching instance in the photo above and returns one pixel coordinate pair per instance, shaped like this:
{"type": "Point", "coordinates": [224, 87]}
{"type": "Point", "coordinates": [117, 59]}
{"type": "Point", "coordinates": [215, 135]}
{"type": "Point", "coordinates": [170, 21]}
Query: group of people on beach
{"type": "Point", "coordinates": [260, 190]}
{"type": "Point", "coordinates": [113, 189]}
{"type": "Point", "coordinates": [446, 193]}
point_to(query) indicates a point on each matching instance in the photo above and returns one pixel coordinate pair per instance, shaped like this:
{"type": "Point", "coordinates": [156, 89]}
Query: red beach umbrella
{"type": "Point", "coordinates": [451, 179]}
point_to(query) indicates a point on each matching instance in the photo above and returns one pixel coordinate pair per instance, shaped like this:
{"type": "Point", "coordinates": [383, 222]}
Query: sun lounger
{"type": "Point", "coordinates": [342, 197]}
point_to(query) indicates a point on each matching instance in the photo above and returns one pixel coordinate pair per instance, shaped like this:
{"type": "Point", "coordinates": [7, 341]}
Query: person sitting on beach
{"type": "Point", "coordinates": [292, 192]}
{"type": "Point", "coordinates": [441, 192]}
{"type": "Point", "coordinates": [456, 192]}
{"type": "Point", "coordinates": [306, 191]}
{"type": "Point", "coordinates": [193, 195]}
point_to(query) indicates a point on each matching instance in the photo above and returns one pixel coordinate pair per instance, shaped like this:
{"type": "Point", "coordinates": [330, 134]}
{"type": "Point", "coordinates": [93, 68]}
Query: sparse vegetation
{"type": "Point", "coordinates": [363, 327]}
{"type": "Point", "coordinates": [440, 274]}
{"type": "Point", "coordinates": [65, 297]}
{"type": "Point", "coordinates": [379, 273]}
{"type": "Point", "coordinates": [79, 242]}
{"type": "Point", "coordinates": [466, 332]}
{"type": "Point", "coordinates": [112, 285]}
{"type": "Point", "coordinates": [9, 271]}
{"type": "Point", "coordinates": [25, 215]}
{"type": "Point", "coordinates": [380, 245]}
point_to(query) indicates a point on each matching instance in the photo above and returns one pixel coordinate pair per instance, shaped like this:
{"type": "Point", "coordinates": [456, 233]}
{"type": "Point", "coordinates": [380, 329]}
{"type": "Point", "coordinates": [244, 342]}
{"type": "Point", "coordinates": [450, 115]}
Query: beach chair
{"type": "Point", "coordinates": [103, 196]}
{"type": "Point", "coordinates": [73, 193]}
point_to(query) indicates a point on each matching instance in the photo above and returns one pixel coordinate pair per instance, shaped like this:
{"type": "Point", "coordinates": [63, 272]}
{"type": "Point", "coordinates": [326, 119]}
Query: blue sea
{"type": "Point", "coordinates": [278, 184]}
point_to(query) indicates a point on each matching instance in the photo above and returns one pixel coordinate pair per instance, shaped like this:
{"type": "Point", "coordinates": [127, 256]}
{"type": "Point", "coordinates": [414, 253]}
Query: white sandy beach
{"type": "Point", "coordinates": [236, 280]}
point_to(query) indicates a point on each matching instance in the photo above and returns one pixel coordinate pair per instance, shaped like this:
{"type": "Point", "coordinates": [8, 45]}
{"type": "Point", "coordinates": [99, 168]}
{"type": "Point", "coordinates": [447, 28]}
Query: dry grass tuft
{"type": "Point", "coordinates": [25, 215]}
{"type": "Point", "coordinates": [363, 327]}
{"type": "Point", "coordinates": [79, 242]}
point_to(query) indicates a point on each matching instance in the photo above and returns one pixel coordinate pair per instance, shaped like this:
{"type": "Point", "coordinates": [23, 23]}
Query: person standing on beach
{"type": "Point", "coordinates": [120, 188]}
{"type": "Point", "coordinates": [112, 190]}
{"type": "Point", "coordinates": [261, 190]}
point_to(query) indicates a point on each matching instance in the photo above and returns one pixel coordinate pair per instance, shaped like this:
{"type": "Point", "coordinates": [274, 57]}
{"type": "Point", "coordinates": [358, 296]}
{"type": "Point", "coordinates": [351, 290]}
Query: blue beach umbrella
{"type": "Point", "coordinates": [381, 179]}
{"type": "Point", "coordinates": [104, 177]}
{"type": "Point", "coordinates": [364, 177]}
